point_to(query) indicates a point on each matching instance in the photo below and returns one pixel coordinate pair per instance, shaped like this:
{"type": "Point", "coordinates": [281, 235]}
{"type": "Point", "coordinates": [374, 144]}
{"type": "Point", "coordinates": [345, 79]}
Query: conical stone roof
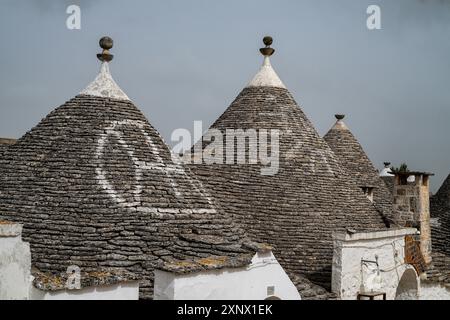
{"type": "Point", "coordinates": [442, 197]}
{"type": "Point", "coordinates": [95, 186]}
{"type": "Point", "coordinates": [360, 169]}
{"type": "Point", "coordinates": [297, 209]}
{"type": "Point", "coordinates": [440, 234]}
{"type": "Point", "coordinates": [440, 213]}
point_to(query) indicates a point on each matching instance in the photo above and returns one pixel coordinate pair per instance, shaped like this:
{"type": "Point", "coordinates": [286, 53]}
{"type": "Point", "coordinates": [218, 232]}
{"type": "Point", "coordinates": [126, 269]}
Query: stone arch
{"type": "Point", "coordinates": [272, 298]}
{"type": "Point", "coordinates": [407, 288]}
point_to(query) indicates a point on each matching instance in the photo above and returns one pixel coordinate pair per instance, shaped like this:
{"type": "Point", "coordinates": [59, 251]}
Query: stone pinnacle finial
{"type": "Point", "coordinates": [267, 51]}
{"type": "Point", "coordinates": [106, 43]}
{"type": "Point", "coordinates": [340, 116]}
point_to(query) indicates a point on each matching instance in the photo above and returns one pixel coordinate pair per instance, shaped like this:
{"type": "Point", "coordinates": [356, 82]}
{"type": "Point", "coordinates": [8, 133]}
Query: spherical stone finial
{"type": "Point", "coordinates": [106, 43]}
{"type": "Point", "coordinates": [268, 40]}
{"type": "Point", "coordinates": [340, 116]}
{"type": "Point", "coordinates": [267, 51]}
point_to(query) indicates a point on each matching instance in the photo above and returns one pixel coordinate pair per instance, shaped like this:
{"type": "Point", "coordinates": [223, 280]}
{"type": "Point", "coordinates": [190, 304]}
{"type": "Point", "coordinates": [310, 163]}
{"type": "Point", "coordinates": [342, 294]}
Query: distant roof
{"type": "Point", "coordinates": [440, 212]}
{"type": "Point", "coordinates": [440, 233]}
{"type": "Point", "coordinates": [95, 186]}
{"type": "Point", "coordinates": [296, 209]}
{"type": "Point", "coordinates": [355, 161]}
{"type": "Point", "coordinates": [351, 155]}
{"type": "Point", "coordinates": [7, 141]}
{"type": "Point", "coordinates": [442, 197]}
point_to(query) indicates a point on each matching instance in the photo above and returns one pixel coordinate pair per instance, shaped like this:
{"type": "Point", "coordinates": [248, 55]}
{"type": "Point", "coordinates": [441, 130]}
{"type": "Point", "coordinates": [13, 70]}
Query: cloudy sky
{"type": "Point", "coordinates": [181, 61]}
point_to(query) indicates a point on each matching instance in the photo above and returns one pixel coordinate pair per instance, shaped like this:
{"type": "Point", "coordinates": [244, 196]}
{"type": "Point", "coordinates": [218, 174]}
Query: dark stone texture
{"type": "Point", "coordinates": [49, 182]}
{"type": "Point", "coordinates": [360, 169]}
{"type": "Point", "coordinates": [297, 209]}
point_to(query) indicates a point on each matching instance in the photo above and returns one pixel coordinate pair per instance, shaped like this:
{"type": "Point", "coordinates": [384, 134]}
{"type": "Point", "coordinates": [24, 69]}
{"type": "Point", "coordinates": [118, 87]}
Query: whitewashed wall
{"type": "Point", "coordinates": [253, 282]}
{"type": "Point", "coordinates": [121, 291]}
{"type": "Point", "coordinates": [350, 275]}
{"type": "Point", "coordinates": [15, 263]}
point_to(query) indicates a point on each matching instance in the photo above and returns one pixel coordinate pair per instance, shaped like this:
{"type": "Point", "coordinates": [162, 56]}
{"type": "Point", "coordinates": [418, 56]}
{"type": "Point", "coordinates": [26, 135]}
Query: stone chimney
{"type": "Point", "coordinates": [15, 263]}
{"type": "Point", "coordinates": [412, 206]}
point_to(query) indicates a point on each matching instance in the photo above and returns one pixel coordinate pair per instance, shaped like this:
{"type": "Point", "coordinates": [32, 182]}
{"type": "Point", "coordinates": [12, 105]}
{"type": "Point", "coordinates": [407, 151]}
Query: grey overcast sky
{"type": "Point", "coordinates": [181, 61]}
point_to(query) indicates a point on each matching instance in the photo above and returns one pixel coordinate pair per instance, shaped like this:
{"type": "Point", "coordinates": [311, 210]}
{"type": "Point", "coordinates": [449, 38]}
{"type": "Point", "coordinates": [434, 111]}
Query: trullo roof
{"type": "Point", "coordinates": [95, 186]}
{"type": "Point", "coordinates": [299, 207]}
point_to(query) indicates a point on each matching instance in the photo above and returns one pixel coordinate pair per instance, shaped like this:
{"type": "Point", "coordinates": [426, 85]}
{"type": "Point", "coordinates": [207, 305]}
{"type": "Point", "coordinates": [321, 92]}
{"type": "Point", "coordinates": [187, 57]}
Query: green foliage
{"type": "Point", "coordinates": [403, 168]}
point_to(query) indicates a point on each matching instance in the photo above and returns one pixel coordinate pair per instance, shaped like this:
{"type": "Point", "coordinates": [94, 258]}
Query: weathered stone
{"type": "Point", "coordinates": [309, 197]}
{"type": "Point", "coordinates": [84, 200]}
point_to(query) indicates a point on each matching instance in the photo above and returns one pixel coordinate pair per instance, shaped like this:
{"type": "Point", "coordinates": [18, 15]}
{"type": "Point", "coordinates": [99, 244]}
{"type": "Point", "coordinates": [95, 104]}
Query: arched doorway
{"type": "Point", "coordinates": [407, 287]}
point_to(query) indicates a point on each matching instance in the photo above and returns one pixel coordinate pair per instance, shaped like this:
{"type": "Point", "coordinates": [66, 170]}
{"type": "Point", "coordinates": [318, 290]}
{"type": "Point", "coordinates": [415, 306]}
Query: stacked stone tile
{"type": "Point", "coordinates": [355, 161]}
{"type": "Point", "coordinates": [440, 202]}
{"type": "Point", "coordinates": [440, 214]}
{"type": "Point", "coordinates": [95, 186]}
{"type": "Point", "coordinates": [297, 209]}
{"type": "Point", "coordinates": [440, 232]}
{"type": "Point", "coordinates": [5, 143]}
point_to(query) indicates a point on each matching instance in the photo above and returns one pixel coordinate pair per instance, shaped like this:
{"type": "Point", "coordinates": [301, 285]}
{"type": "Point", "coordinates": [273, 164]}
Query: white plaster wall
{"type": "Point", "coordinates": [251, 283]}
{"type": "Point", "coordinates": [349, 275]}
{"type": "Point", "coordinates": [15, 265]}
{"type": "Point", "coordinates": [122, 291]}
{"type": "Point", "coordinates": [434, 291]}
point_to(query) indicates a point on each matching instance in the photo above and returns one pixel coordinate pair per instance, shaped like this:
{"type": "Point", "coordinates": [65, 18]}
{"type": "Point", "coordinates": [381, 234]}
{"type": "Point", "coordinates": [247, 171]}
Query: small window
{"type": "Point", "coordinates": [403, 180]}
{"type": "Point", "coordinates": [370, 194]}
{"type": "Point", "coordinates": [368, 191]}
{"type": "Point", "coordinates": [271, 291]}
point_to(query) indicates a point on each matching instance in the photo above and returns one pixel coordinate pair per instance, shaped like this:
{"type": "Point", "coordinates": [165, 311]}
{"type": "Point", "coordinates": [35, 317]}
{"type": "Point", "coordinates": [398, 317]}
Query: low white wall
{"type": "Point", "coordinates": [121, 291]}
{"type": "Point", "coordinates": [434, 291]}
{"type": "Point", "coordinates": [351, 275]}
{"type": "Point", "coordinates": [15, 263]}
{"type": "Point", "coordinates": [254, 282]}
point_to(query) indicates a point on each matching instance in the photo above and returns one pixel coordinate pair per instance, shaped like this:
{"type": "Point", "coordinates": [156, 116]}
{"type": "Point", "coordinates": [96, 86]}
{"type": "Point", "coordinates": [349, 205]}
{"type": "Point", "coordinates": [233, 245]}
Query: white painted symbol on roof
{"type": "Point", "coordinates": [170, 170]}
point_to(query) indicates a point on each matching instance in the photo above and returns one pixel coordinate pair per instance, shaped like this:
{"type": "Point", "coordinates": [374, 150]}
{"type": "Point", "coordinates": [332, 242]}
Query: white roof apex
{"type": "Point", "coordinates": [266, 77]}
{"type": "Point", "coordinates": [105, 86]}
{"type": "Point", "coordinates": [386, 172]}
{"type": "Point", "coordinates": [340, 124]}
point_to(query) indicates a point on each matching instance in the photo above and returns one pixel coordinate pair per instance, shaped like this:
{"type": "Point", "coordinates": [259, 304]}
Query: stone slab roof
{"type": "Point", "coordinates": [95, 186]}
{"type": "Point", "coordinates": [296, 209]}
{"type": "Point", "coordinates": [440, 214]}
{"type": "Point", "coordinates": [440, 233]}
{"type": "Point", "coordinates": [440, 201]}
{"type": "Point", "coordinates": [360, 169]}
{"type": "Point", "coordinates": [101, 277]}
{"type": "Point", "coordinates": [309, 290]}
{"type": "Point", "coordinates": [440, 269]}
